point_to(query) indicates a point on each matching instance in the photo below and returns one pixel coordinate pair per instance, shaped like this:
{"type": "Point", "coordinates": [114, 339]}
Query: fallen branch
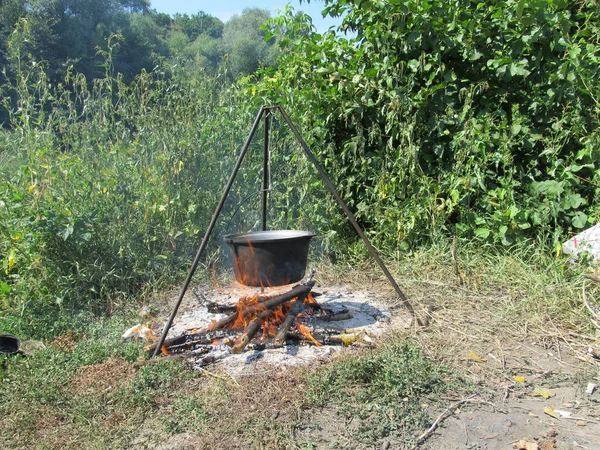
{"type": "Point", "coordinates": [441, 417]}
{"type": "Point", "coordinates": [179, 356]}
{"type": "Point", "coordinates": [206, 337]}
{"type": "Point", "coordinates": [332, 317]}
{"type": "Point", "coordinates": [251, 330]}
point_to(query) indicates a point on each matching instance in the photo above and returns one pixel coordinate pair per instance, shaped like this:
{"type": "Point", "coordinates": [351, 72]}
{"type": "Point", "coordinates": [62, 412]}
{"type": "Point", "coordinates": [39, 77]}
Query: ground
{"type": "Point", "coordinates": [527, 379]}
{"type": "Point", "coordinates": [508, 345]}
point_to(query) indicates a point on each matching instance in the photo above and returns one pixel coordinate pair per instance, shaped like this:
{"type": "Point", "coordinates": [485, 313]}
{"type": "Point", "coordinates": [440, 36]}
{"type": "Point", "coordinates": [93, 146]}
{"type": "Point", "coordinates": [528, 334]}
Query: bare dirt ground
{"type": "Point", "coordinates": [529, 380]}
{"type": "Point", "coordinates": [528, 392]}
{"type": "Point", "coordinates": [531, 386]}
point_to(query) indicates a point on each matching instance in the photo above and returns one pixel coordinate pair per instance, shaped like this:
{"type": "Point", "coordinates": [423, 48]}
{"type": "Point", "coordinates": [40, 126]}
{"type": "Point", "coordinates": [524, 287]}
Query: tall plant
{"type": "Point", "coordinates": [106, 186]}
{"type": "Point", "coordinates": [460, 117]}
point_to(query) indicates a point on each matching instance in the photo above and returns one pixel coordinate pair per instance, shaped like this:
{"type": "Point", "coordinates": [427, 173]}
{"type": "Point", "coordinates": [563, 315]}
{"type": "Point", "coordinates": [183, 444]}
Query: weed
{"type": "Point", "coordinates": [190, 413]}
{"type": "Point", "coordinates": [381, 389]}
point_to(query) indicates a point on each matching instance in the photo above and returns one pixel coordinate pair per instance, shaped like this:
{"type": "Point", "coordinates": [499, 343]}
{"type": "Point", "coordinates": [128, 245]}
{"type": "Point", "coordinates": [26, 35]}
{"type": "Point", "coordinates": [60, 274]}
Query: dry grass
{"type": "Point", "coordinates": [114, 373]}
{"type": "Point", "coordinates": [503, 316]}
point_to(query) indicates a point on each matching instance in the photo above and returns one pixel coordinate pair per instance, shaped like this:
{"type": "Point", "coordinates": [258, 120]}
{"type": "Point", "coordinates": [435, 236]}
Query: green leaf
{"type": "Point", "coordinates": [573, 201]}
{"type": "Point", "coordinates": [579, 220]}
{"type": "Point", "coordinates": [4, 288]}
{"type": "Point", "coordinates": [550, 188]}
{"type": "Point", "coordinates": [413, 65]}
{"type": "Point", "coordinates": [482, 233]}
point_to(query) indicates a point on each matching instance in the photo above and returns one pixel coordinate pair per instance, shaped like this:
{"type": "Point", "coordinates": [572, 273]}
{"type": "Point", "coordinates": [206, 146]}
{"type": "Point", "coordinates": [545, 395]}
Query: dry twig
{"type": "Point", "coordinates": [441, 417]}
{"type": "Point", "coordinates": [594, 313]}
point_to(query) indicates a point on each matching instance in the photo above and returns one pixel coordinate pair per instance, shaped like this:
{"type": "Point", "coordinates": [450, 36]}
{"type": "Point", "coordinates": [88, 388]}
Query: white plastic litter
{"type": "Point", "coordinates": [586, 241]}
{"type": "Point", "coordinates": [141, 331]}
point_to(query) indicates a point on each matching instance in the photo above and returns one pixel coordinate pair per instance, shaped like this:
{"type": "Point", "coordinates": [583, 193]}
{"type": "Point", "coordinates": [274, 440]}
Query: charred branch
{"type": "Point", "coordinates": [296, 309]}
{"type": "Point", "coordinates": [299, 290]}
{"type": "Point", "coordinates": [251, 331]}
{"type": "Point", "coordinates": [322, 338]}
{"type": "Point", "coordinates": [189, 340]}
{"type": "Point", "coordinates": [331, 317]}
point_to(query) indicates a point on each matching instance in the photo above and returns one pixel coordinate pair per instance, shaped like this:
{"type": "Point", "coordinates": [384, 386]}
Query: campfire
{"type": "Point", "coordinates": [271, 258]}
{"type": "Point", "coordinates": [263, 322]}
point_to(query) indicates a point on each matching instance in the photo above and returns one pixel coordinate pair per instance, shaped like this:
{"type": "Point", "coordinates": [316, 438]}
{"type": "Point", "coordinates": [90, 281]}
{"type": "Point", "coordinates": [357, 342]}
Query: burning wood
{"type": "Point", "coordinates": [281, 318]}
{"type": "Point", "coordinates": [298, 307]}
{"type": "Point", "coordinates": [251, 330]}
{"type": "Point", "coordinates": [246, 313]}
{"type": "Point", "coordinates": [188, 341]}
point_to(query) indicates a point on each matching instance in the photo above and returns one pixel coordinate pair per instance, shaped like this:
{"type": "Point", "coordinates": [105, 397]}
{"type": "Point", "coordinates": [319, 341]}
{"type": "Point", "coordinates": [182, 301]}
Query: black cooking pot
{"type": "Point", "coordinates": [9, 344]}
{"type": "Point", "coordinates": [269, 258]}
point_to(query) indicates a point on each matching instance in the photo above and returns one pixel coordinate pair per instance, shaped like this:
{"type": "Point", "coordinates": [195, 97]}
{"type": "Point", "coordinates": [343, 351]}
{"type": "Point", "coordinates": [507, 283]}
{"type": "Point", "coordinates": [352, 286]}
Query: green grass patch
{"type": "Point", "coordinates": [90, 391]}
{"type": "Point", "coordinates": [383, 389]}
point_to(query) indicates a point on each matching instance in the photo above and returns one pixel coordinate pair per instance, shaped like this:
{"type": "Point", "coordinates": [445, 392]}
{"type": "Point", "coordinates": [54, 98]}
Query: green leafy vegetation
{"type": "Point", "coordinates": [467, 118]}
{"type": "Point", "coordinates": [103, 190]}
{"type": "Point", "coordinates": [382, 390]}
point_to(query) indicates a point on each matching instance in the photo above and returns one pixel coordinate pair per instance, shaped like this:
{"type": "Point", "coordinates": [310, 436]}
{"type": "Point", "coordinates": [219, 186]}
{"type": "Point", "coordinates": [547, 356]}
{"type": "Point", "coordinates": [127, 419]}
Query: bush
{"type": "Point", "coordinates": [463, 118]}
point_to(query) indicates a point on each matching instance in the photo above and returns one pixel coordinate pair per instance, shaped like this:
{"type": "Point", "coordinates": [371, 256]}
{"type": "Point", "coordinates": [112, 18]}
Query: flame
{"type": "Point", "coordinates": [250, 304]}
{"type": "Point", "coordinates": [310, 300]}
{"type": "Point", "coordinates": [270, 327]}
{"type": "Point", "coordinates": [246, 266]}
{"type": "Point", "coordinates": [306, 332]}
{"type": "Point", "coordinates": [164, 350]}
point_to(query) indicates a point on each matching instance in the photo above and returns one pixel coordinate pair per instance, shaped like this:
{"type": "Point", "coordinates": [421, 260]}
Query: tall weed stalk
{"type": "Point", "coordinates": [106, 187]}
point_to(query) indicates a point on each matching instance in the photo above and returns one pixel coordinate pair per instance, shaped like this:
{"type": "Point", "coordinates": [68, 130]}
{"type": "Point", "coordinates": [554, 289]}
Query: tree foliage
{"type": "Point", "coordinates": [64, 33]}
{"type": "Point", "coordinates": [463, 117]}
{"type": "Point", "coordinates": [243, 40]}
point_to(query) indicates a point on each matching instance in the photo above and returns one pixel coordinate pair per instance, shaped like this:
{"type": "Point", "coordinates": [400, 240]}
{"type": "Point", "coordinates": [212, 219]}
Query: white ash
{"type": "Point", "coordinates": [372, 317]}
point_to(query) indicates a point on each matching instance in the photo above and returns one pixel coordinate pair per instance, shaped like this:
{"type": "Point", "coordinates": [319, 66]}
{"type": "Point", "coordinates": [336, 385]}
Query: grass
{"type": "Point", "coordinates": [381, 390]}
{"type": "Point", "coordinates": [85, 390]}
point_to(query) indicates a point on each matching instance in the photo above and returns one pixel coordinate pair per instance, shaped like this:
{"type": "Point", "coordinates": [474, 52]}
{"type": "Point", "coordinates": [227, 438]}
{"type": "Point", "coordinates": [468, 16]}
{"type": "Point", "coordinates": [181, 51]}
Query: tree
{"type": "Point", "coordinates": [244, 42]}
{"type": "Point", "coordinates": [198, 24]}
{"type": "Point", "coordinates": [68, 32]}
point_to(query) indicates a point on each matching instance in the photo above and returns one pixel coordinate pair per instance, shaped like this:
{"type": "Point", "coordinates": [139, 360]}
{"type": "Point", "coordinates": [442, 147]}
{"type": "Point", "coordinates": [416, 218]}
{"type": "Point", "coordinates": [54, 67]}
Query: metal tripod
{"type": "Point", "coordinates": [265, 113]}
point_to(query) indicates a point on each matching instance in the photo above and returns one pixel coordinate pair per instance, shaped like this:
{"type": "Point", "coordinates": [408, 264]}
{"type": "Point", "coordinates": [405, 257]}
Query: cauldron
{"type": "Point", "coordinates": [269, 258]}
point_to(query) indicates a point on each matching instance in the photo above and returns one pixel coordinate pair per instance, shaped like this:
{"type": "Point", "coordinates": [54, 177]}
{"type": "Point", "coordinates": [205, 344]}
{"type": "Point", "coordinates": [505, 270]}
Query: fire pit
{"type": "Point", "coordinates": [277, 316]}
{"type": "Point", "coordinates": [245, 330]}
{"type": "Point", "coordinates": [275, 269]}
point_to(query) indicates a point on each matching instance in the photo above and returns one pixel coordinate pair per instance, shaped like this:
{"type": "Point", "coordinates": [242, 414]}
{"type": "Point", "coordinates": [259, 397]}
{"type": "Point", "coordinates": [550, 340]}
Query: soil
{"type": "Point", "coordinates": [106, 376]}
{"type": "Point", "coordinates": [529, 381]}
{"type": "Point", "coordinates": [529, 386]}
{"type": "Point", "coordinates": [551, 409]}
